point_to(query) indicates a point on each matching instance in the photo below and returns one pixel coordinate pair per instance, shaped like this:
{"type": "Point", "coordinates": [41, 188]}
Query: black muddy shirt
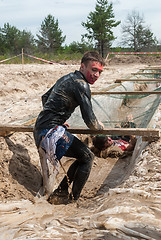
{"type": "Point", "coordinates": [60, 101]}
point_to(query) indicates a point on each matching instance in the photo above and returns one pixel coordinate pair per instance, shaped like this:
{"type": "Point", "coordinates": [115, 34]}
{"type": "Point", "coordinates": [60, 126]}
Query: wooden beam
{"type": "Point", "coordinates": [150, 68]}
{"type": "Point", "coordinates": [149, 73]}
{"type": "Point", "coordinates": [147, 133]}
{"type": "Point", "coordinates": [138, 80]}
{"type": "Point", "coordinates": [127, 93]}
{"type": "Point", "coordinates": [119, 131]}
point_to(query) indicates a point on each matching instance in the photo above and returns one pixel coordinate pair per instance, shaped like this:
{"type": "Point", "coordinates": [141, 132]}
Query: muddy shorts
{"type": "Point", "coordinates": [55, 142]}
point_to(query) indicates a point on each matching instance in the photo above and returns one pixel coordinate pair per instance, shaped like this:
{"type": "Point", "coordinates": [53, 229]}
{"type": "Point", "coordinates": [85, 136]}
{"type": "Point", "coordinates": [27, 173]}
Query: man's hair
{"type": "Point", "coordinates": [92, 56]}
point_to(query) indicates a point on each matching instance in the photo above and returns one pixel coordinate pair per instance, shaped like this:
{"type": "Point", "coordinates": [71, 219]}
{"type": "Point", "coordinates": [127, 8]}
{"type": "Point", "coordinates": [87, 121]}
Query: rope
{"type": "Point", "coordinates": [41, 59]}
{"type": "Point", "coordinates": [7, 59]}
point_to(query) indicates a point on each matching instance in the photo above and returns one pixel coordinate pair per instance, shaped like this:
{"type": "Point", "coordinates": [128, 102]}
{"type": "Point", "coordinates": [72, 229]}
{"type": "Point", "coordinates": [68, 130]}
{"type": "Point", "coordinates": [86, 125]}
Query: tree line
{"type": "Point", "coordinates": [136, 36]}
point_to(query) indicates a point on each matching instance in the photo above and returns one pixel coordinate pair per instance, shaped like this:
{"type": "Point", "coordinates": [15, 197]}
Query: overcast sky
{"type": "Point", "coordinates": [29, 14]}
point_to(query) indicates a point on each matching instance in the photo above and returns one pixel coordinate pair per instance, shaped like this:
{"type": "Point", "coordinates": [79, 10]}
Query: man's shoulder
{"type": "Point", "coordinates": [78, 78]}
{"type": "Point", "coordinates": [78, 81]}
{"type": "Point", "coordinates": [70, 76]}
{"type": "Point", "coordinates": [76, 75]}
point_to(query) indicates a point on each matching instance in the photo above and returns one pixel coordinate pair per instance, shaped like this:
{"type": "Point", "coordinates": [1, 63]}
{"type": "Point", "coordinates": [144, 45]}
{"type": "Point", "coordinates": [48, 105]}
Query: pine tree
{"type": "Point", "coordinates": [50, 38]}
{"type": "Point", "coordinates": [99, 26]}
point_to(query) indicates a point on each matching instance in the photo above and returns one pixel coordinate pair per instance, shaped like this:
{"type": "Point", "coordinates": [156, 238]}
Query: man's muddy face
{"type": "Point", "coordinates": [92, 71]}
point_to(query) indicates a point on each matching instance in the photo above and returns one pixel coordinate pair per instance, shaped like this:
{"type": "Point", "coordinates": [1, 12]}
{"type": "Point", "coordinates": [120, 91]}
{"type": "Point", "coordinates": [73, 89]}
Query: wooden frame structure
{"type": "Point", "coordinates": [143, 73]}
{"type": "Point", "coordinates": [147, 134]}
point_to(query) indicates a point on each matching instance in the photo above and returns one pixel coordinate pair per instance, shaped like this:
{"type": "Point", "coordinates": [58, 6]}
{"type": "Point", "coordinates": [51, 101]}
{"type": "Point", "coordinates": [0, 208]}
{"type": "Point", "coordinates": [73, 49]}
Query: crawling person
{"type": "Point", "coordinates": [125, 143]}
{"type": "Point", "coordinates": [50, 132]}
{"type": "Point", "coordinates": [101, 143]}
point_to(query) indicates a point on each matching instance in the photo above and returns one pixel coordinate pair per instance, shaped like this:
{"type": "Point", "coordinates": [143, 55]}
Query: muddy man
{"type": "Point", "coordinates": [51, 134]}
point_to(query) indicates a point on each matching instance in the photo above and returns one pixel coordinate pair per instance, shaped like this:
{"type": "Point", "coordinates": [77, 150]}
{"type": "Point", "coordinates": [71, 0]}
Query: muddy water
{"type": "Point", "coordinates": [122, 213]}
{"type": "Point", "coordinates": [131, 210]}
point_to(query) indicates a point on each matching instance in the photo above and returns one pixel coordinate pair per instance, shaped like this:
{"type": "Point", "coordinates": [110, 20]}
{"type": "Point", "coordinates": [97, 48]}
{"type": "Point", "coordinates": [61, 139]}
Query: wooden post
{"type": "Point", "coordinates": [106, 57]}
{"type": "Point", "coordinates": [22, 57]}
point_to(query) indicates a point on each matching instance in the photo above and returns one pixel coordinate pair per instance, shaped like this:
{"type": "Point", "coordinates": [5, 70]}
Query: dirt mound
{"type": "Point", "coordinates": [22, 87]}
{"type": "Point", "coordinates": [110, 206]}
{"type": "Point", "coordinates": [129, 59]}
{"type": "Point", "coordinates": [19, 173]}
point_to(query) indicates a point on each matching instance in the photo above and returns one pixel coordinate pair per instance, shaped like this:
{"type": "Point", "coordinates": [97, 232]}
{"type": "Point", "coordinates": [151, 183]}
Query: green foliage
{"type": "Point", "coordinates": [99, 26]}
{"type": "Point", "coordinates": [50, 38]}
{"type": "Point", "coordinates": [57, 58]}
{"type": "Point", "coordinates": [27, 41]}
{"type": "Point", "coordinates": [76, 47]}
{"type": "Point", "coordinates": [13, 40]}
{"type": "Point", "coordinates": [9, 38]}
{"type": "Point", "coordinates": [2, 43]}
{"type": "Point", "coordinates": [99, 36]}
{"type": "Point", "coordinates": [65, 57]}
{"type": "Point", "coordinates": [146, 39]}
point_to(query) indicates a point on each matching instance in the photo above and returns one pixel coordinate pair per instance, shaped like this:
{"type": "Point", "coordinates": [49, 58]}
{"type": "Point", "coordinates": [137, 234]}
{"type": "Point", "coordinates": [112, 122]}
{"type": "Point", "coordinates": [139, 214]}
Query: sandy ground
{"type": "Point", "coordinates": [108, 207]}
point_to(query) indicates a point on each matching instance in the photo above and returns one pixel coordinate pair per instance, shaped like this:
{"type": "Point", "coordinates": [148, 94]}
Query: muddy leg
{"type": "Point", "coordinates": [47, 189]}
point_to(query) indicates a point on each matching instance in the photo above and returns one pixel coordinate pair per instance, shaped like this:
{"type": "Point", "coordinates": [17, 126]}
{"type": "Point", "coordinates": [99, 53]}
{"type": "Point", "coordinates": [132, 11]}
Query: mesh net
{"type": "Point", "coordinates": [113, 109]}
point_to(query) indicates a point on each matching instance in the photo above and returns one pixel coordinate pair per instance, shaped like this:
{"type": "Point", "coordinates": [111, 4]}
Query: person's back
{"type": "Point", "coordinates": [64, 97]}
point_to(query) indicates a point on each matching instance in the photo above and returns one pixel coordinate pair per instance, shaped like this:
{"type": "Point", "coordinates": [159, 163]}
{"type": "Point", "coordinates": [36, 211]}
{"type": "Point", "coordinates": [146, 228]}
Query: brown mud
{"type": "Point", "coordinates": [111, 206]}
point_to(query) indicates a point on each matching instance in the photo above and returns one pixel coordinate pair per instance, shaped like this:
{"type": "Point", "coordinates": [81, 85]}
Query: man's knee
{"type": "Point", "coordinates": [88, 157]}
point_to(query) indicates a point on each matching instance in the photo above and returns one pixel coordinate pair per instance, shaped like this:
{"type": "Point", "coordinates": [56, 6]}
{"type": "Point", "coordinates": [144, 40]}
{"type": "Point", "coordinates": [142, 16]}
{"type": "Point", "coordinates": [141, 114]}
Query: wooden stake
{"type": "Point", "coordinates": [106, 57]}
{"type": "Point", "coordinates": [22, 57]}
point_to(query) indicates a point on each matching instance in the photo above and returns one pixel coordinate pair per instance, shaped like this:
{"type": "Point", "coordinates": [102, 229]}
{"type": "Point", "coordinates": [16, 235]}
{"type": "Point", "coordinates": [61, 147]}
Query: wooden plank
{"type": "Point", "coordinates": [155, 133]}
{"type": "Point", "coordinates": [149, 73]}
{"type": "Point", "coordinates": [127, 93]}
{"type": "Point", "coordinates": [151, 68]}
{"type": "Point", "coordinates": [16, 128]}
{"type": "Point", "coordinates": [119, 131]}
{"type": "Point", "coordinates": [138, 80]}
